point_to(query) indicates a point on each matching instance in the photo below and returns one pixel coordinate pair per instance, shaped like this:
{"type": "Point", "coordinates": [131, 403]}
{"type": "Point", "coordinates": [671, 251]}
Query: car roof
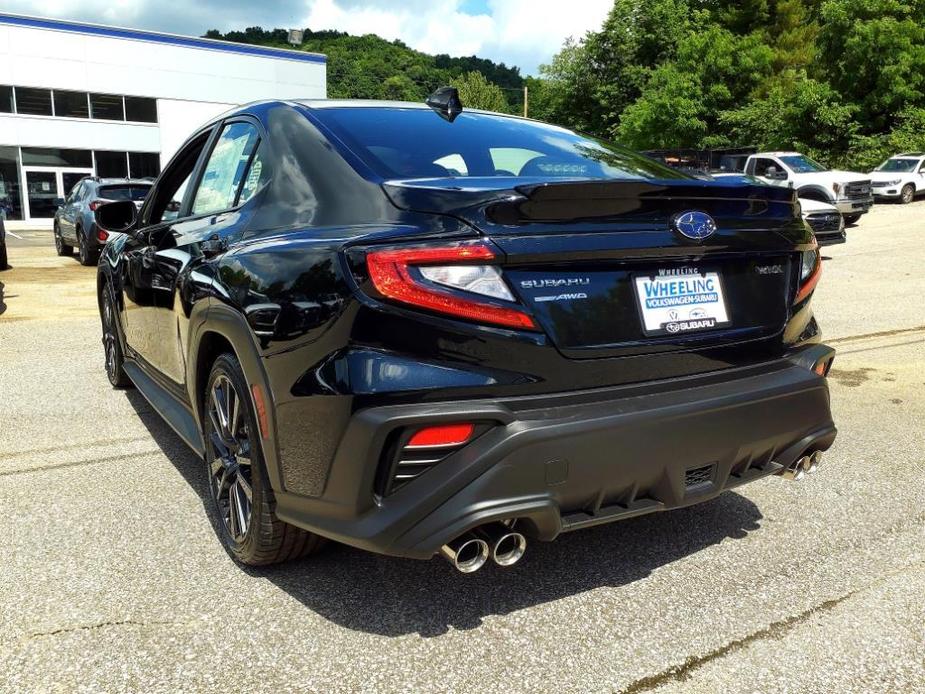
{"type": "Point", "coordinates": [120, 181]}
{"type": "Point", "coordinates": [778, 154]}
{"type": "Point", "coordinates": [908, 154]}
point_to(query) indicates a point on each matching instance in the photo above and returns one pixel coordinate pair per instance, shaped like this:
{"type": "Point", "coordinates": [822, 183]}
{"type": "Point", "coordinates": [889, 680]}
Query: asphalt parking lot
{"type": "Point", "coordinates": [112, 580]}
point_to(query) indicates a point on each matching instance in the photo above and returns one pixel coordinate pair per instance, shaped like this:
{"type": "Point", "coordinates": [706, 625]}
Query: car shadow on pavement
{"type": "Point", "coordinates": [392, 597]}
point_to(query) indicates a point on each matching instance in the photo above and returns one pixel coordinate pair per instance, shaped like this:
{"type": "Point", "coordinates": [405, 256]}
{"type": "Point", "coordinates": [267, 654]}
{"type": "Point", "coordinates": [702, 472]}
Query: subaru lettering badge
{"type": "Point", "coordinates": [694, 225]}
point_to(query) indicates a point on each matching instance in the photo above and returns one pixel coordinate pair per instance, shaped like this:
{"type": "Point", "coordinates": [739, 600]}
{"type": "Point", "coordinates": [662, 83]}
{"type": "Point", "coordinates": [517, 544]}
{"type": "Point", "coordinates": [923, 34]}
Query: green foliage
{"type": "Point", "coordinates": [842, 80]}
{"type": "Point", "coordinates": [369, 67]}
{"type": "Point", "coordinates": [477, 92]}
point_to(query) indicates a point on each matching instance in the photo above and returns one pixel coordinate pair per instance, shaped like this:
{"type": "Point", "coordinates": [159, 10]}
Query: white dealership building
{"type": "Point", "coordinates": [80, 99]}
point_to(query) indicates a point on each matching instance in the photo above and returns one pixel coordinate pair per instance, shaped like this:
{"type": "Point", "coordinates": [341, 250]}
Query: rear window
{"type": "Point", "coordinates": [405, 143]}
{"type": "Point", "coordinates": [122, 192]}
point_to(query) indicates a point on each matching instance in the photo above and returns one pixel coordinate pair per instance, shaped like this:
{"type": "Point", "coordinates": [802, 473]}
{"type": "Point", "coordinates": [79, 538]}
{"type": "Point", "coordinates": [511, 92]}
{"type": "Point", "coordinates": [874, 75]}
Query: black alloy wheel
{"type": "Point", "coordinates": [61, 248]}
{"type": "Point", "coordinates": [238, 485]}
{"type": "Point", "coordinates": [907, 194]}
{"type": "Point", "coordinates": [230, 470]}
{"type": "Point", "coordinates": [112, 346]}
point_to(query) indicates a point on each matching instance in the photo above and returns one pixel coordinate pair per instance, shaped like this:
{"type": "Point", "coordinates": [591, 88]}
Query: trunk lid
{"type": "Point", "coordinates": [605, 272]}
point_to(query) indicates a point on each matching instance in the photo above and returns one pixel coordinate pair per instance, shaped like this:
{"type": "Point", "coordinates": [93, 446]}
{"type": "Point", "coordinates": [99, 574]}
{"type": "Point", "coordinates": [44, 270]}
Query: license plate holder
{"type": "Point", "coordinates": [680, 301]}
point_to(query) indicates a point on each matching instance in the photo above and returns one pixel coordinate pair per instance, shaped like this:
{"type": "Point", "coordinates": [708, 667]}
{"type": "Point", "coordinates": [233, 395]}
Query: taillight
{"type": "Point", "coordinates": [810, 272]}
{"type": "Point", "coordinates": [416, 276]}
{"type": "Point", "coordinates": [102, 235]}
{"type": "Point", "coordinates": [97, 204]}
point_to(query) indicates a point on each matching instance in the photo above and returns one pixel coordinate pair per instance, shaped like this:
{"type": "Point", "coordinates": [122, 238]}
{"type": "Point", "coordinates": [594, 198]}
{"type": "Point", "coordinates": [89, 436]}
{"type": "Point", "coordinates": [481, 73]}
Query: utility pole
{"type": "Point", "coordinates": [526, 100]}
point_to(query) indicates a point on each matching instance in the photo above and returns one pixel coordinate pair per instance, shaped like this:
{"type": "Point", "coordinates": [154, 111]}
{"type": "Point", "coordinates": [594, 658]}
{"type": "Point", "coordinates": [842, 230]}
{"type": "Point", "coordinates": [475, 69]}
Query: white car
{"type": "Point", "coordinates": [900, 177]}
{"type": "Point", "coordinates": [849, 191]}
{"type": "Point", "coordinates": [825, 220]}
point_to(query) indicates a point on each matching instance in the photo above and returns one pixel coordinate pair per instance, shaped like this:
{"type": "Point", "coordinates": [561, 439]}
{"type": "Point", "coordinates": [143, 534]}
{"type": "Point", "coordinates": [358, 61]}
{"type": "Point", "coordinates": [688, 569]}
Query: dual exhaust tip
{"type": "Point", "coordinates": [807, 464]}
{"type": "Point", "coordinates": [471, 551]}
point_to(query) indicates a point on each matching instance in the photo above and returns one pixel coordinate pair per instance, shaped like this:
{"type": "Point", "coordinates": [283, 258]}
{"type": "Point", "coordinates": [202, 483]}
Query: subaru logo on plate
{"type": "Point", "coordinates": [694, 225]}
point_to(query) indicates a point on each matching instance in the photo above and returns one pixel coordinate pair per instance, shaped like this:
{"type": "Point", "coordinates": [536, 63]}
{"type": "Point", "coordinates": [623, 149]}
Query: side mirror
{"type": "Point", "coordinates": [59, 202]}
{"type": "Point", "coordinates": [119, 217]}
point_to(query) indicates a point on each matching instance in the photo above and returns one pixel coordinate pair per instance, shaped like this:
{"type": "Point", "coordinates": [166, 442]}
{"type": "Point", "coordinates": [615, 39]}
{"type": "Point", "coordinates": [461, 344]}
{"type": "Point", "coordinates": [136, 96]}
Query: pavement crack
{"type": "Point", "coordinates": [680, 673]}
{"type": "Point", "coordinates": [77, 463]}
{"type": "Point", "coordinates": [99, 625]}
{"type": "Point", "coordinates": [868, 336]}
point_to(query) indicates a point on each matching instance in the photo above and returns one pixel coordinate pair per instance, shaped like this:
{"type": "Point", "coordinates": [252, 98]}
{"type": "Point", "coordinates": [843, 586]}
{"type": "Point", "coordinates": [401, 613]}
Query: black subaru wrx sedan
{"type": "Point", "coordinates": [420, 329]}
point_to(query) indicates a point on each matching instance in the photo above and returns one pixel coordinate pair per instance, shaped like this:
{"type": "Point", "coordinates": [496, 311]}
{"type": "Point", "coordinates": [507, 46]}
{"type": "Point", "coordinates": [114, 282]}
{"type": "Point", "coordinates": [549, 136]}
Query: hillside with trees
{"type": "Point", "coordinates": [369, 67]}
{"type": "Point", "coordinates": [842, 80]}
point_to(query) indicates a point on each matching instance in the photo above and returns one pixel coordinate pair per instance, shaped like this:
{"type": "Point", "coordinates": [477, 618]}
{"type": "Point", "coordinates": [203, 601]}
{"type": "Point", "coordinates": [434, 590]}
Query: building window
{"type": "Point", "coordinates": [140, 109]}
{"type": "Point", "coordinates": [10, 195]}
{"type": "Point", "coordinates": [6, 99]}
{"type": "Point", "coordinates": [42, 156]}
{"type": "Point", "coordinates": [106, 107]}
{"type": "Point", "coordinates": [33, 102]}
{"type": "Point", "coordinates": [71, 104]}
{"type": "Point", "coordinates": [144, 164]}
{"type": "Point", "coordinates": [111, 164]}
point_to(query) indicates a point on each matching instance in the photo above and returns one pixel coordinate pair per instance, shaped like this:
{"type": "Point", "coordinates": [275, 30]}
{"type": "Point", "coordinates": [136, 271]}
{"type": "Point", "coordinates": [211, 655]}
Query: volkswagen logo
{"type": "Point", "coordinates": [694, 225]}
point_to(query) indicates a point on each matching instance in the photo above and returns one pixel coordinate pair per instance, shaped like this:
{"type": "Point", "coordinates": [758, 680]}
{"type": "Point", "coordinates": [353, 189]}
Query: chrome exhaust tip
{"type": "Point", "coordinates": [509, 549]}
{"type": "Point", "coordinates": [814, 461]}
{"type": "Point", "coordinates": [467, 553]}
{"type": "Point", "coordinates": [507, 545]}
{"type": "Point", "coordinates": [797, 470]}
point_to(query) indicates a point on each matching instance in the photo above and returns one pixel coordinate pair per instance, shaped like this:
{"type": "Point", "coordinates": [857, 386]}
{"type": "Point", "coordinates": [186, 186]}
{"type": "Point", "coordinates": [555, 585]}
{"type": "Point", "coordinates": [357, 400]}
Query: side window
{"type": "Point", "coordinates": [225, 169]}
{"type": "Point", "coordinates": [454, 164]}
{"type": "Point", "coordinates": [168, 195]}
{"type": "Point", "coordinates": [76, 192]}
{"type": "Point", "coordinates": [256, 177]}
{"type": "Point", "coordinates": [762, 166]}
{"type": "Point", "coordinates": [511, 160]}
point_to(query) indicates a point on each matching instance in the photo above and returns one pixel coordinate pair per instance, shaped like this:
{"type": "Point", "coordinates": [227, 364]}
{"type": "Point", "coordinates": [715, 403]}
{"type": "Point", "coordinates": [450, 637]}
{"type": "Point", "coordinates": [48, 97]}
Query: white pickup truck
{"type": "Point", "coordinates": [850, 192]}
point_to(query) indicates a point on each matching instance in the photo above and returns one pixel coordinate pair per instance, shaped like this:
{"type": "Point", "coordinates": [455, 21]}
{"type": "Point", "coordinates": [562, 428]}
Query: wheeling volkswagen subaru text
{"type": "Point", "coordinates": [423, 330]}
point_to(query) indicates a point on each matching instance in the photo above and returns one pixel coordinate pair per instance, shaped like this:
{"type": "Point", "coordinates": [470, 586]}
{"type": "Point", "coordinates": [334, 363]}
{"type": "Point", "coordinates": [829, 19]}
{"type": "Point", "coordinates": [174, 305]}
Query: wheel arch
{"type": "Point", "coordinates": [815, 192]}
{"type": "Point", "coordinates": [222, 329]}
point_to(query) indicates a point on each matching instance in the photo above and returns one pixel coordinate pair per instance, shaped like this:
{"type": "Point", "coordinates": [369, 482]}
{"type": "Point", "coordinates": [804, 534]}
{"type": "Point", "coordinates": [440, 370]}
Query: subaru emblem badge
{"type": "Point", "coordinates": [694, 225]}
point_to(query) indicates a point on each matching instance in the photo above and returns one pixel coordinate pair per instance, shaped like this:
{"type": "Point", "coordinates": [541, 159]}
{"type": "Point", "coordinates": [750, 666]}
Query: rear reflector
{"type": "Point", "coordinates": [261, 408]}
{"type": "Point", "coordinates": [102, 235]}
{"type": "Point", "coordinates": [440, 436]}
{"type": "Point", "coordinates": [390, 273]}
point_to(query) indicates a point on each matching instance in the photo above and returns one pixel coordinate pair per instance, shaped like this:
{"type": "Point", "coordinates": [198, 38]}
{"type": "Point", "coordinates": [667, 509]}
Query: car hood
{"type": "Point", "coordinates": [889, 175]}
{"type": "Point", "coordinates": [810, 206]}
{"type": "Point", "coordinates": [834, 176]}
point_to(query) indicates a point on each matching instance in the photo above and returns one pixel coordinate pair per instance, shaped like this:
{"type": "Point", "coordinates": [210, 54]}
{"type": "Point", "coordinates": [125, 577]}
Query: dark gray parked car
{"type": "Point", "coordinates": [74, 222]}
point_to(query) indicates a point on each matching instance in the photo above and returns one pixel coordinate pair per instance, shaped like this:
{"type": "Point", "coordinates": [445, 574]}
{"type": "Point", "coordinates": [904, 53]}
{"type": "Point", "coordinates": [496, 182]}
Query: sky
{"type": "Point", "coordinates": [525, 33]}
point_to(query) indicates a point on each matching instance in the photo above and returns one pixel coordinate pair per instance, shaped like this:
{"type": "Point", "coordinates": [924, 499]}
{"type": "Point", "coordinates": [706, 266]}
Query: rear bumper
{"type": "Point", "coordinates": [563, 462]}
{"type": "Point", "coordinates": [831, 238]}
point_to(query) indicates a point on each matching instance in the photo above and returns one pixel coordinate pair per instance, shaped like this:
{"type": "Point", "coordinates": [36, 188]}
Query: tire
{"type": "Point", "coordinates": [60, 247]}
{"type": "Point", "coordinates": [3, 258]}
{"type": "Point", "coordinates": [88, 256]}
{"type": "Point", "coordinates": [907, 194]}
{"type": "Point", "coordinates": [852, 218]}
{"type": "Point", "coordinates": [242, 501]}
{"type": "Point", "coordinates": [112, 343]}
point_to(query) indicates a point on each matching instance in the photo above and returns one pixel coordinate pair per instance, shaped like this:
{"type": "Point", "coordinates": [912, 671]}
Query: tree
{"type": "Point", "coordinates": [477, 92]}
{"type": "Point", "coordinates": [873, 53]}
